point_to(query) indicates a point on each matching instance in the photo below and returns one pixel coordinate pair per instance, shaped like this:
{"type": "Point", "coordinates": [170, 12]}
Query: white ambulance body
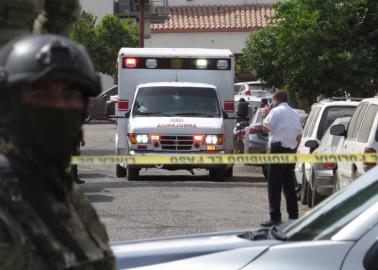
{"type": "Point", "coordinates": [176, 101]}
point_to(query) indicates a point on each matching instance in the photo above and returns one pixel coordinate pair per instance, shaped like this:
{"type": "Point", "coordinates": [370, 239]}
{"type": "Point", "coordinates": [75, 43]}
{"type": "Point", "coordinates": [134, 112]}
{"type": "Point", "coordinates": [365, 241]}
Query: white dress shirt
{"type": "Point", "coordinates": [284, 125]}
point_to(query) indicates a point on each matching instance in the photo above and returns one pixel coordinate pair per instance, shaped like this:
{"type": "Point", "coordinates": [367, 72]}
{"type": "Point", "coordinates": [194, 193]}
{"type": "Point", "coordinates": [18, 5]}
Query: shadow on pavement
{"type": "Point", "coordinates": [95, 198]}
{"type": "Point", "coordinates": [171, 181]}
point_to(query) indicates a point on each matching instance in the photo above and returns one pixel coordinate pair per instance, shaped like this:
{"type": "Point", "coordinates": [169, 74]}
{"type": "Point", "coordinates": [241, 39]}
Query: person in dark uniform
{"type": "Point", "coordinates": [45, 220]}
{"type": "Point", "coordinates": [285, 132]}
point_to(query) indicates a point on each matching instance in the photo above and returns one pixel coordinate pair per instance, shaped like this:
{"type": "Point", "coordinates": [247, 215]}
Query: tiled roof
{"type": "Point", "coordinates": [236, 18]}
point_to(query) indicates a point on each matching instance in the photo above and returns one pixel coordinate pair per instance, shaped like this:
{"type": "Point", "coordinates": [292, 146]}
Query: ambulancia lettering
{"type": "Point", "coordinates": [176, 126]}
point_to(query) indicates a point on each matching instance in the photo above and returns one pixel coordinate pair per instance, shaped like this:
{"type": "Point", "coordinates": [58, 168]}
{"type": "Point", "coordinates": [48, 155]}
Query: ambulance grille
{"type": "Point", "coordinates": [176, 143]}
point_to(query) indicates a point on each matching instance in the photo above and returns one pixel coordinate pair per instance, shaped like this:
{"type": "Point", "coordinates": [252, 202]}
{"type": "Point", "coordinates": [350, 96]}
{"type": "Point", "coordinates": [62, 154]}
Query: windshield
{"type": "Point", "coordinates": [177, 101]}
{"type": "Point", "coordinates": [332, 215]}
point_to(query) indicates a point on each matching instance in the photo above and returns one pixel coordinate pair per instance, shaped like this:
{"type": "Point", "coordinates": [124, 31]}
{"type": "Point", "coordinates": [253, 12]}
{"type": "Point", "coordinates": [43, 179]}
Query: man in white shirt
{"type": "Point", "coordinates": [285, 129]}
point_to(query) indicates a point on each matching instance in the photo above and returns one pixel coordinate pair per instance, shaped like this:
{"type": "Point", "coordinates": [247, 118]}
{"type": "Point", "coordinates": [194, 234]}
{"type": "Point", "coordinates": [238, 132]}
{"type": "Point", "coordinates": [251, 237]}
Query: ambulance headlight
{"type": "Point", "coordinates": [222, 64]}
{"type": "Point", "coordinates": [201, 63]}
{"type": "Point", "coordinates": [211, 139]}
{"type": "Point", "coordinates": [142, 139]}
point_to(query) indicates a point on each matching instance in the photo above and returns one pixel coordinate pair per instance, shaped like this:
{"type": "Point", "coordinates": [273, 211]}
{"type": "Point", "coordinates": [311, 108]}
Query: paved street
{"type": "Point", "coordinates": [166, 203]}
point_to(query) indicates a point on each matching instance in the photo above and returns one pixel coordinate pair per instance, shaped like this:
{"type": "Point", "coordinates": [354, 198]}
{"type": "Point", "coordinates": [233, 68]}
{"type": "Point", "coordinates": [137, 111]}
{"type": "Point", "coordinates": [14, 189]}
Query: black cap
{"type": "Point", "coordinates": [47, 57]}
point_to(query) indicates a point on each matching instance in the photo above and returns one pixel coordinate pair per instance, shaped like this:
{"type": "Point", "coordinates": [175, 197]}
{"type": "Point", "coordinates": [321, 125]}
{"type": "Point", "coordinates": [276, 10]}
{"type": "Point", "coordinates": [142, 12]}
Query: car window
{"type": "Point", "coordinates": [330, 114]}
{"type": "Point", "coordinates": [332, 215]}
{"type": "Point", "coordinates": [357, 119]}
{"type": "Point", "coordinates": [113, 91]}
{"type": "Point", "coordinates": [367, 123]}
{"type": "Point", "coordinates": [110, 92]}
{"type": "Point", "coordinates": [325, 141]}
{"type": "Point", "coordinates": [314, 111]}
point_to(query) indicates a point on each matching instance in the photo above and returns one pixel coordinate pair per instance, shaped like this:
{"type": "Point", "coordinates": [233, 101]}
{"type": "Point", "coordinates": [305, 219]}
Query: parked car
{"type": "Point", "coordinates": [322, 177]}
{"type": "Point", "coordinates": [360, 137]}
{"type": "Point", "coordinates": [253, 88]}
{"type": "Point", "coordinates": [97, 105]}
{"type": "Point", "coordinates": [340, 233]}
{"type": "Point", "coordinates": [319, 120]}
{"type": "Point", "coordinates": [256, 140]}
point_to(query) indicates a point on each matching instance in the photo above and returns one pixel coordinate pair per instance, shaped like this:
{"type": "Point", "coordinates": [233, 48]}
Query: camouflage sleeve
{"type": "Point", "coordinates": [10, 255]}
{"type": "Point", "coordinates": [58, 17]}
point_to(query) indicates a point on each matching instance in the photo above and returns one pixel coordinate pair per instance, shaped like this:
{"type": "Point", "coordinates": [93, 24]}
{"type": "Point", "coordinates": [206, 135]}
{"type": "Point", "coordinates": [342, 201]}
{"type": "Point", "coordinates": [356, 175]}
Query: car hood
{"type": "Point", "coordinates": [176, 125]}
{"type": "Point", "coordinates": [199, 250]}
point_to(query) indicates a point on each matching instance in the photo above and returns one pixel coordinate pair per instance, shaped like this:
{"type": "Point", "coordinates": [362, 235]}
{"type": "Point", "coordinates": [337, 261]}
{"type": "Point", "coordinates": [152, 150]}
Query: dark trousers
{"type": "Point", "coordinates": [281, 177]}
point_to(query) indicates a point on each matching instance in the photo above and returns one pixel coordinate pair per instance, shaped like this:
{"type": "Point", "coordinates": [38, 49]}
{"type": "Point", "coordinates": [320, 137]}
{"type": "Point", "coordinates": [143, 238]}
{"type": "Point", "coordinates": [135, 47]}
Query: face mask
{"type": "Point", "coordinates": [51, 134]}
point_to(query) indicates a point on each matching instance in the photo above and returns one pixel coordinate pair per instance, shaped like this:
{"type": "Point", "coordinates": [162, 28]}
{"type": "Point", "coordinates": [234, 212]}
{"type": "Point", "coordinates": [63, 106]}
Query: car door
{"type": "Point", "coordinates": [99, 105]}
{"type": "Point", "coordinates": [308, 129]}
{"type": "Point", "coordinates": [345, 169]}
{"type": "Point", "coordinates": [355, 258]}
{"type": "Point", "coordinates": [366, 132]}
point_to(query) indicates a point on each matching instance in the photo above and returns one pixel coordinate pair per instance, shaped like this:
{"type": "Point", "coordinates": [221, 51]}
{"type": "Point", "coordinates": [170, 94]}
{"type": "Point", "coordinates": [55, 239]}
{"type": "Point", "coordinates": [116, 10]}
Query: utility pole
{"type": "Point", "coordinates": [141, 22]}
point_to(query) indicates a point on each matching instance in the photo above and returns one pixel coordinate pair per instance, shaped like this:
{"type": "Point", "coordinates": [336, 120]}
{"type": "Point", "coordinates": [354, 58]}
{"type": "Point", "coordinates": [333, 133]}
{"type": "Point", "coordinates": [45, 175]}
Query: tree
{"type": "Point", "coordinates": [314, 48]}
{"type": "Point", "coordinates": [104, 40]}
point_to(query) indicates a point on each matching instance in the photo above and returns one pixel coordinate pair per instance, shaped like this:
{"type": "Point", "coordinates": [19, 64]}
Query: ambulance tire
{"type": "Point", "coordinates": [132, 173]}
{"type": "Point", "coordinates": [217, 174]}
{"type": "Point", "coordinates": [120, 171]}
{"type": "Point", "coordinates": [229, 172]}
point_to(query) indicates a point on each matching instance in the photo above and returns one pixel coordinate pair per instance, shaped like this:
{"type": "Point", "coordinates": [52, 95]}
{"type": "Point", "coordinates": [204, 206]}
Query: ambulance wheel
{"type": "Point", "coordinates": [120, 171]}
{"type": "Point", "coordinates": [132, 173]}
{"type": "Point", "coordinates": [229, 172]}
{"type": "Point", "coordinates": [217, 174]}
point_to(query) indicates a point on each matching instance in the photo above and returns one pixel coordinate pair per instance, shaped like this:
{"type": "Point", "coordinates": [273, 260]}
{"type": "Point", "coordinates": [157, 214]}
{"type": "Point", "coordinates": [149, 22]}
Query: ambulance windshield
{"type": "Point", "coordinates": [177, 101]}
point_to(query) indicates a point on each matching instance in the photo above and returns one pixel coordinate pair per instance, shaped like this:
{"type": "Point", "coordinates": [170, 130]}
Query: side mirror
{"type": "Point", "coordinates": [338, 130]}
{"type": "Point", "coordinates": [312, 144]}
{"type": "Point", "coordinates": [110, 109]}
{"type": "Point", "coordinates": [371, 258]}
{"type": "Point", "coordinates": [242, 110]}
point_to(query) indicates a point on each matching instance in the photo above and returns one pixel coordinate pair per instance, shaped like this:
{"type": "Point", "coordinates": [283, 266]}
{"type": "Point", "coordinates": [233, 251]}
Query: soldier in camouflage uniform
{"type": "Point", "coordinates": [45, 221]}
{"type": "Point", "coordinates": [20, 17]}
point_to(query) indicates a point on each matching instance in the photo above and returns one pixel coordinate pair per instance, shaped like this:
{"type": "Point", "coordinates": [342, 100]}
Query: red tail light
{"type": "Point", "coordinates": [123, 105]}
{"type": "Point", "coordinates": [255, 130]}
{"type": "Point", "coordinates": [329, 165]}
{"type": "Point", "coordinates": [369, 165]}
{"type": "Point", "coordinates": [229, 106]}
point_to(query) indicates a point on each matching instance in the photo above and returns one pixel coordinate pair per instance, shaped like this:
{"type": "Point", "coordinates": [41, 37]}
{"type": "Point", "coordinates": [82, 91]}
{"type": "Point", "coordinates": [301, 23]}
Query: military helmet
{"type": "Point", "coordinates": [51, 57]}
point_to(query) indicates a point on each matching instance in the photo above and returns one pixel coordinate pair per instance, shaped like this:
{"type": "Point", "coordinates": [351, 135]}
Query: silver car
{"type": "Point", "coordinates": [323, 175]}
{"type": "Point", "coordinates": [340, 233]}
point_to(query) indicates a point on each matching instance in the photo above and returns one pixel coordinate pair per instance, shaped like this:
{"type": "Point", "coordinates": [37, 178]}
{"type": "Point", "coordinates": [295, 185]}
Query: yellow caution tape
{"type": "Point", "coordinates": [193, 159]}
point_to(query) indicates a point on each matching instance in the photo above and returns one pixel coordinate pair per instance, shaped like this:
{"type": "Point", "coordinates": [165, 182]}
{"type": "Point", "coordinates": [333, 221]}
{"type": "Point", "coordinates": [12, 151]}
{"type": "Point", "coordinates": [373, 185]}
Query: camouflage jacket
{"type": "Point", "coordinates": [51, 233]}
{"type": "Point", "coordinates": [19, 17]}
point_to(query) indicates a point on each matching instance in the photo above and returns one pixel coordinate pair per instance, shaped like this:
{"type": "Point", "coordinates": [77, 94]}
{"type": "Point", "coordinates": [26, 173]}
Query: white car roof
{"type": "Point", "coordinates": [177, 84]}
{"type": "Point", "coordinates": [177, 52]}
{"type": "Point", "coordinates": [373, 100]}
{"type": "Point", "coordinates": [337, 103]}
{"type": "Point", "coordinates": [250, 82]}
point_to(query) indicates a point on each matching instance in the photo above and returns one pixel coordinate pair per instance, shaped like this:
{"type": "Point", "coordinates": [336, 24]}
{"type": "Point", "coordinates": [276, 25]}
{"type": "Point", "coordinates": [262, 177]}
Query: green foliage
{"type": "Point", "coordinates": [104, 40]}
{"type": "Point", "coordinates": [322, 47]}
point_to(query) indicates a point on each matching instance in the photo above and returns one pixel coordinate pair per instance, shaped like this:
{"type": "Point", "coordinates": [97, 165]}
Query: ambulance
{"type": "Point", "coordinates": [175, 101]}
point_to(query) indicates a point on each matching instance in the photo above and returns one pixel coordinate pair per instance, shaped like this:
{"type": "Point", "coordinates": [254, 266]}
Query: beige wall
{"type": "Point", "coordinates": [218, 2]}
{"type": "Point", "coordinates": [98, 8]}
{"type": "Point", "coordinates": [235, 41]}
